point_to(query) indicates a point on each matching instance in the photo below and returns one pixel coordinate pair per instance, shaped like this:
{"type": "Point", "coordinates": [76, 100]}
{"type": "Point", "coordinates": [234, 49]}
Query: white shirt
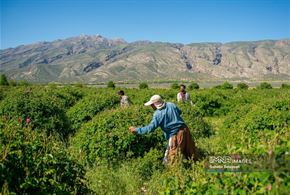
{"type": "Point", "coordinates": [186, 97]}
{"type": "Point", "coordinates": [125, 101]}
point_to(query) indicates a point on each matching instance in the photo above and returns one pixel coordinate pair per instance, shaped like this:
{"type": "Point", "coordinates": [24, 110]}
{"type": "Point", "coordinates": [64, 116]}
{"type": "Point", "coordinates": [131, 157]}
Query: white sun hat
{"type": "Point", "coordinates": [155, 99]}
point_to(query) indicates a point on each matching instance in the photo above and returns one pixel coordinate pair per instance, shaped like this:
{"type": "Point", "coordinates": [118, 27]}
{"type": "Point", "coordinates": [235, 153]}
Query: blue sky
{"type": "Point", "coordinates": [182, 21]}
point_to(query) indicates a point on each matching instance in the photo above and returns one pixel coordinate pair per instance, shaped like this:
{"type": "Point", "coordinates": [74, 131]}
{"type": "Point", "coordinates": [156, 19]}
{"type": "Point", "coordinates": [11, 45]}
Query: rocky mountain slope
{"type": "Point", "coordinates": [97, 59]}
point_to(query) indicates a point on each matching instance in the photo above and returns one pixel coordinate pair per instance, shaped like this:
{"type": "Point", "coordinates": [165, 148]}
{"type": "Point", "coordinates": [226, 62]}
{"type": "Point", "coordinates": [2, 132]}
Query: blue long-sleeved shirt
{"type": "Point", "coordinates": [168, 118]}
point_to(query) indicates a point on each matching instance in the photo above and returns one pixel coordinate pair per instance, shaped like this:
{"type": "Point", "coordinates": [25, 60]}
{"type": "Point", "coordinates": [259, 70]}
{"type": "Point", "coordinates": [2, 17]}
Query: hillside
{"type": "Point", "coordinates": [98, 59]}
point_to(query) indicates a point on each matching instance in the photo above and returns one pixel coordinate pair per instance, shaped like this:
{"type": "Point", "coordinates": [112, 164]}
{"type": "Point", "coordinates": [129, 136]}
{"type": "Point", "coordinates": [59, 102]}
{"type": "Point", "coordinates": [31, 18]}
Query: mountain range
{"type": "Point", "coordinates": [94, 59]}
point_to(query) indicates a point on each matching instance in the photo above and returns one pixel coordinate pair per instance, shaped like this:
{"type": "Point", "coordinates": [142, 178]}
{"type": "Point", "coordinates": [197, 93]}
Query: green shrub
{"type": "Point", "coordinates": [52, 85]}
{"type": "Point", "coordinates": [174, 86]}
{"type": "Point", "coordinates": [143, 86]}
{"type": "Point", "coordinates": [140, 97]}
{"type": "Point", "coordinates": [264, 85]}
{"type": "Point", "coordinates": [225, 85]}
{"type": "Point", "coordinates": [12, 83]}
{"type": "Point", "coordinates": [1, 93]}
{"type": "Point", "coordinates": [109, 140]}
{"type": "Point", "coordinates": [107, 180]}
{"type": "Point", "coordinates": [254, 122]}
{"type": "Point", "coordinates": [66, 96]}
{"type": "Point", "coordinates": [179, 180]}
{"type": "Point", "coordinates": [194, 120]}
{"type": "Point", "coordinates": [268, 116]}
{"type": "Point", "coordinates": [23, 83]}
{"type": "Point", "coordinates": [193, 86]}
{"type": "Point", "coordinates": [129, 177]}
{"type": "Point", "coordinates": [81, 85]}
{"type": "Point", "coordinates": [242, 86]}
{"type": "Point", "coordinates": [3, 79]}
{"type": "Point", "coordinates": [43, 111]}
{"type": "Point", "coordinates": [111, 84]}
{"type": "Point", "coordinates": [4, 90]}
{"type": "Point", "coordinates": [285, 86]}
{"type": "Point", "coordinates": [89, 106]}
{"type": "Point", "coordinates": [212, 103]}
{"type": "Point", "coordinates": [32, 163]}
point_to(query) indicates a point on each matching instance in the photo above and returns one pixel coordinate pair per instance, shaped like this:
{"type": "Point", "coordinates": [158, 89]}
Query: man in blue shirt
{"type": "Point", "coordinates": [167, 116]}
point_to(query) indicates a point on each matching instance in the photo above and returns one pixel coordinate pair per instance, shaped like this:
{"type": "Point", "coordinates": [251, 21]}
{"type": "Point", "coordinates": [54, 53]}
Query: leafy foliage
{"type": "Point", "coordinates": [100, 156]}
{"type": "Point", "coordinates": [111, 84]}
{"type": "Point", "coordinates": [242, 86]}
{"type": "Point", "coordinates": [143, 85]}
{"type": "Point", "coordinates": [89, 106]}
{"type": "Point", "coordinates": [32, 163]}
{"type": "Point", "coordinates": [23, 83]}
{"type": "Point", "coordinates": [212, 103]}
{"type": "Point", "coordinates": [3, 79]}
{"type": "Point", "coordinates": [42, 112]}
{"type": "Point", "coordinates": [174, 86]}
{"type": "Point", "coordinates": [127, 177]}
{"type": "Point", "coordinates": [194, 120]}
{"type": "Point", "coordinates": [225, 85]}
{"type": "Point", "coordinates": [285, 86]}
{"type": "Point", "coordinates": [109, 139]}
{"type": "Point", "coordinates": [193, 86]}
{"type": "Point", "coordinates": [12, 83]}
{"type": "Point", "coordinates": [264, 85]}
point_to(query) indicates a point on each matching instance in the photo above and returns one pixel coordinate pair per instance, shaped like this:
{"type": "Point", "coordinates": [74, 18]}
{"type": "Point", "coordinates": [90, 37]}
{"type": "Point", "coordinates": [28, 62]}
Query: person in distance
{"type": "Point", "coordinates": [124, 100]}
{"type": "Point", "coordinates": [183, 96]}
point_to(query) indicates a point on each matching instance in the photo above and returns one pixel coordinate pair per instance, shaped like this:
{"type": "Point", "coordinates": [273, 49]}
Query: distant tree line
{"type": "Point", "coordinates": [143, 85]}
{"type": "Point", "coordinates": [9, 82]}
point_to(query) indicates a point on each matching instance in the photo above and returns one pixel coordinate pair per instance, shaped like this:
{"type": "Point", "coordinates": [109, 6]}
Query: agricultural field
{"type": "Point", "coordinates": [75, 140]}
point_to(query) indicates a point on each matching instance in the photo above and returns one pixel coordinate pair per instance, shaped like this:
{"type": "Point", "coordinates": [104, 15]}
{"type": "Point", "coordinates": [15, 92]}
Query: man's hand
{"type": "Point", "coordinates": [132, 129]}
